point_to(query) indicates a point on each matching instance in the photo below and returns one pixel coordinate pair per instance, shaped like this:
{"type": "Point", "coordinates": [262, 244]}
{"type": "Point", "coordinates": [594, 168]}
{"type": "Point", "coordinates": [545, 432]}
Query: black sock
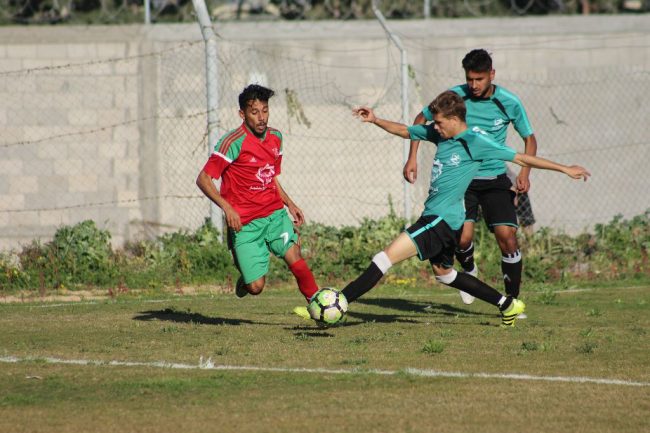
{"type": "Point", "coordinates": [479, 289]}
{"type": "Point", "coordinates": [511, 266]}
{"type": "Point", "coordinates": [466, 257]}
{"type": "Point", "coordinates": [366, 281]}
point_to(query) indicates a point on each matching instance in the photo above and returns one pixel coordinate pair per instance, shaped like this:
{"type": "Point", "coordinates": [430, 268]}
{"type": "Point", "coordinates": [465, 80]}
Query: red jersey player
{"type": "Point", "coordinates": [248, 160]}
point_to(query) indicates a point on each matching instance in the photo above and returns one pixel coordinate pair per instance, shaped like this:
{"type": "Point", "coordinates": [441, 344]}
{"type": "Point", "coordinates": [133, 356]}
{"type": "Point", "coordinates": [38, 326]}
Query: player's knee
{"type": "Point", "coordinates": [466, 239]}
{"type": "Point", "coordinates": [256, 287]}
{"type": "Point", "coordinates": [507, 240]}
{"type": "Point", "coordinates": [509, 246]}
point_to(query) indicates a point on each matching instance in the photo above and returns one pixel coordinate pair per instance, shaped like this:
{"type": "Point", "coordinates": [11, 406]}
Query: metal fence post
{"type": "Point", "coordinates": [405, 100]}
{"type": "Point", "coordinates": [147, 11]}
{"type": "Point", "coordinates": [211, 82]}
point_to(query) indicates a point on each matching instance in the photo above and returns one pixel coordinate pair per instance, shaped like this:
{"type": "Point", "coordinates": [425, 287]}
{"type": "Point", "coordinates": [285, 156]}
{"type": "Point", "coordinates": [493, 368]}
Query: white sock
{"type": "Point", "coordinates": [382, 261]}
{"type": "Point", "coordinates": [447, 278]}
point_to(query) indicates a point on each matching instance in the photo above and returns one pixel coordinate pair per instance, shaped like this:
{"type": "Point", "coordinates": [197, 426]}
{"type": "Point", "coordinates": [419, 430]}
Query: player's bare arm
{"type": "Point", "coordinates": [296, 212]}
{"type": "Point", "coordinates": [573, 171]}
{"type": "Point", "coordinates": [367, 115]}
{"type": "Point", "coordinates": [523, 179]}
{"type": "Point", "coordinates": [410, 171]}
{"type": "Point", "coordinates": [204, 182]}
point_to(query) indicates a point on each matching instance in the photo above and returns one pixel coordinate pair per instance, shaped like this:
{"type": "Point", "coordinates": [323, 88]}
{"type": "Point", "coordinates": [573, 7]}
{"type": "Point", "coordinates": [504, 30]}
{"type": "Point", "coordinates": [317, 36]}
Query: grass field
{"type": "Point", "coordinates": [408, 359]}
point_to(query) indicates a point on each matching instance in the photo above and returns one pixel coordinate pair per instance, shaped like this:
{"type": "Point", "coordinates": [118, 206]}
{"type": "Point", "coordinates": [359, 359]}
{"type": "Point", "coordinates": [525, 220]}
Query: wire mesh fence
{"type": "Point", "coordinates": [120, 139]}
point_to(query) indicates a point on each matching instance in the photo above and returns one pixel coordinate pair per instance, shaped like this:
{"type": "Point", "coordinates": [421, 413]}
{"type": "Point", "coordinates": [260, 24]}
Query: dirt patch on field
{"type": "Point", "coordinates": [105, 294]}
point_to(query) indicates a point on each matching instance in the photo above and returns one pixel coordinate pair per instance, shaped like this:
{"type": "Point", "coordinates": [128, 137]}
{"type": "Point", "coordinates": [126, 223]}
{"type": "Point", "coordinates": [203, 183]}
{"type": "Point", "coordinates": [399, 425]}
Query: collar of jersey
{"type": "Point", "coordinates": [248, 131]}
{"type": "Point", "coordinates": [459, 136]}
{"type": "Point", "coordinates": [489, 98]}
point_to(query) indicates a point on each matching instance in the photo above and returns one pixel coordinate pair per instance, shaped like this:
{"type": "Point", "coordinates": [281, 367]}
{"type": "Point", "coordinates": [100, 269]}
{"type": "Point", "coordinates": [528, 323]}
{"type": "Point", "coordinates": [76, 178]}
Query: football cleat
{"type": "Point", "coordinates": [302, 312]}
{"type": "Point", "coordinates": [509, 316]}
{"type": "Point", "coordinates": [240, 289]}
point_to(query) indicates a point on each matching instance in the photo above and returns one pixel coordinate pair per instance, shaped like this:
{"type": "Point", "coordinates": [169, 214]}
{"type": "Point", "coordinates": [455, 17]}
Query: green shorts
{"type": "Point", "coordinates": [252, 244]}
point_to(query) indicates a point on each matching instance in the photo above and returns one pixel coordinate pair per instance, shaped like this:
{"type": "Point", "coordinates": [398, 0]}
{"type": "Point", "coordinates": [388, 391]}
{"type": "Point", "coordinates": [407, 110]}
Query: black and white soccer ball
{"type": "Point", "coordinates": [328, 306]}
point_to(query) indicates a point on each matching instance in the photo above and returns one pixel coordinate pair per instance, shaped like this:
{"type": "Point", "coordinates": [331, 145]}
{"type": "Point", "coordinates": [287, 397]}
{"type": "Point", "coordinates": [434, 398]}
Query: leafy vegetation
{"type": "Point", "coordinates": [133, 11]}
{"type": "Point", "coordinates": [81, 256]}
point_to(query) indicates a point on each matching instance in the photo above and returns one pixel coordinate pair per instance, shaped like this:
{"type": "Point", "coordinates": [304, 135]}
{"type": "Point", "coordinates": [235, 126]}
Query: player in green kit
{"type": "Point", "coordinates": [248, 160]}
{"type": "Point", "coordinates": [490, 108]}
{"type": "Point", "coordinates": [460, 153]}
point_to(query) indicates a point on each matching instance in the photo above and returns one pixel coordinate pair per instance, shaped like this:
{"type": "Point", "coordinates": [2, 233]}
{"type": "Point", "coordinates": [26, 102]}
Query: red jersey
{"type": "Point", "coordinates": [248, 166]}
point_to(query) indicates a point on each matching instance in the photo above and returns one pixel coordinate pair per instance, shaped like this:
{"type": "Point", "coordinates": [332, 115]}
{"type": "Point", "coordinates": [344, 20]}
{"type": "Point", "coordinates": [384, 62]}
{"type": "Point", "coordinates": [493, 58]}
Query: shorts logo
{"type": "Point", "coordinates": [265, 175]}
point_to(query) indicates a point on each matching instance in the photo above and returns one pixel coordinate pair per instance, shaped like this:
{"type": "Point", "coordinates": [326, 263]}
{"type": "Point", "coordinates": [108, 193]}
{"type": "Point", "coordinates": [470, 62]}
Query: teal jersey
{"type": "Point", "coordinates": [492, 115]}
{"type": "Point", "coordinates": [457, 160]}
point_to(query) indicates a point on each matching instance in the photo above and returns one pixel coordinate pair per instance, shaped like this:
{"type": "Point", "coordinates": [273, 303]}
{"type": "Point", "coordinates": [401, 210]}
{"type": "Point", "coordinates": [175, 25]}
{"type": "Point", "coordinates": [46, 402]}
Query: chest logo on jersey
{"type": "Point", "coordinates": [436, 170]}
{"type": "Point", "coordinates": [265, 175]}
{"type": "Point", "coordinates": [498, 123]}
{"type": "Point", "coordinates": [455, 160]}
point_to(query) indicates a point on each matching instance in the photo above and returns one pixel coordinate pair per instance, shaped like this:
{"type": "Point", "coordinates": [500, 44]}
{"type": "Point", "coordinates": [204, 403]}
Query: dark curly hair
{"type": "Point", "coordinates": [254, 92]}
{"type": "Point", "coordinates": [477, 60]}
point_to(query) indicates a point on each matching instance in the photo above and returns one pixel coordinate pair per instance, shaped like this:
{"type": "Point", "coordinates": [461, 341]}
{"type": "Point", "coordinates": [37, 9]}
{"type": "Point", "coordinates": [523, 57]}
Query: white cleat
{"type": "Point", "coordinates": [466, 297]}
{"type": "Point", "coordinates": [522, 316]}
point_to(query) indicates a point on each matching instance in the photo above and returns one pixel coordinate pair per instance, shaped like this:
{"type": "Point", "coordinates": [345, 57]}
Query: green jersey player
{"type": "Point", "coordinates": [459, 156]}
{"type": "Point", "coordinates": [490, 109]}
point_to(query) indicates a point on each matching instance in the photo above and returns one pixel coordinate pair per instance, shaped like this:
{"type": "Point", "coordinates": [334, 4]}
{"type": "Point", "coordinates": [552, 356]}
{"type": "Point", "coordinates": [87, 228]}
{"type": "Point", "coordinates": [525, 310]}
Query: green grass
{"type": "Point", "coordinates": [598, 333]}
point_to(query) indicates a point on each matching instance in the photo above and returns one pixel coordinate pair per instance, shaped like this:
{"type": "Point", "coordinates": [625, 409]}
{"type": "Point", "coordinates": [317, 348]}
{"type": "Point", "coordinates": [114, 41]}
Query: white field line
{"type": "Point", "coordinates": [208, 365]}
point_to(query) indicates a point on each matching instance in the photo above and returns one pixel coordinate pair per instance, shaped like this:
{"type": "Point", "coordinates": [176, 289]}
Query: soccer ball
{"type": "Point", "coordinates": [328, 306]}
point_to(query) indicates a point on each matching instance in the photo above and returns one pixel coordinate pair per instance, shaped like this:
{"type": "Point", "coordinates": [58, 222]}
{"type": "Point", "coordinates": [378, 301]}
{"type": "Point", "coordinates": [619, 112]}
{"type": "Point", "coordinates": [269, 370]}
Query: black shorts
{"type": "Point", "coordinates": [434, 240]}
{"type": "Point", "coordinates": [496, 199]}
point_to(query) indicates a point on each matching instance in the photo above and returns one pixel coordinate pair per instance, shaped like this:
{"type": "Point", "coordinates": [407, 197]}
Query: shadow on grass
{"type": "Point", "coordinates": [426, 307]}
{"type": "Point", "coordinates": [172, 315]}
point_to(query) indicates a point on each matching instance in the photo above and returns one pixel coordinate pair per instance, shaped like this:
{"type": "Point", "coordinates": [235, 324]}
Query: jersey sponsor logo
{"type": "Point", "coordinates": [436, 170]}
{"type": "Point", "coordinates": [265, 175]}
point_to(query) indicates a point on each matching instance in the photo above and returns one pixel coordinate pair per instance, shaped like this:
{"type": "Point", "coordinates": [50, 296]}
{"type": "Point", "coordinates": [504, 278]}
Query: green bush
{"type": "Point", "coordinates": [81, 256]}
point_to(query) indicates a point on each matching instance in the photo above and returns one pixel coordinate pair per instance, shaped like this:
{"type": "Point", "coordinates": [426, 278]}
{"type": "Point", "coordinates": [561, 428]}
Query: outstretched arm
{"type": "Point", "coordinates": [523, 180]}
{"type": "Point", "coordinates": [410, 171]}
{"type": "Point", "coordinates": [367, 115]}
{"type": "Point", "coordinates": [296, 212]}
{"type": "Point", "coordinates": [574, 171]}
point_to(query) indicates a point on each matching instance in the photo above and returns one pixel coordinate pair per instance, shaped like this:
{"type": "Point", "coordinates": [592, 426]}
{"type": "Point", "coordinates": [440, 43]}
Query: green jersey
{"type": "Point", "coordinates": [492, 115]}
{"type": "Point", "coordinates": [457, 160]}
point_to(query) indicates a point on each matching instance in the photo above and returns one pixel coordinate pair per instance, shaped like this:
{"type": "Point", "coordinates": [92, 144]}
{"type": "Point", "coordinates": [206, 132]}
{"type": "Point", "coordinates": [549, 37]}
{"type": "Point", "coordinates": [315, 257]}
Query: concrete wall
{"type": "Point", "coordinates": [105, 122]}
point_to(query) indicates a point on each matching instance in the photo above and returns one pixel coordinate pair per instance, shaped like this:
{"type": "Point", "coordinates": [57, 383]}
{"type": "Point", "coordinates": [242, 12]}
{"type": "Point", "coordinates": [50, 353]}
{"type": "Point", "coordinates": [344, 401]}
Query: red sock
{"type": "Point", "coordinates": [306, 282]}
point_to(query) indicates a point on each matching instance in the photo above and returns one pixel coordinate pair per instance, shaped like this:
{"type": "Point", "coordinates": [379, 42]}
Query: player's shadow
{"type": "Point", "coordinates": [379, 318]}
{"type": "Point", "coordinates": [171, 315]}
{"type": "Point", "coordinates": [418, 307]}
